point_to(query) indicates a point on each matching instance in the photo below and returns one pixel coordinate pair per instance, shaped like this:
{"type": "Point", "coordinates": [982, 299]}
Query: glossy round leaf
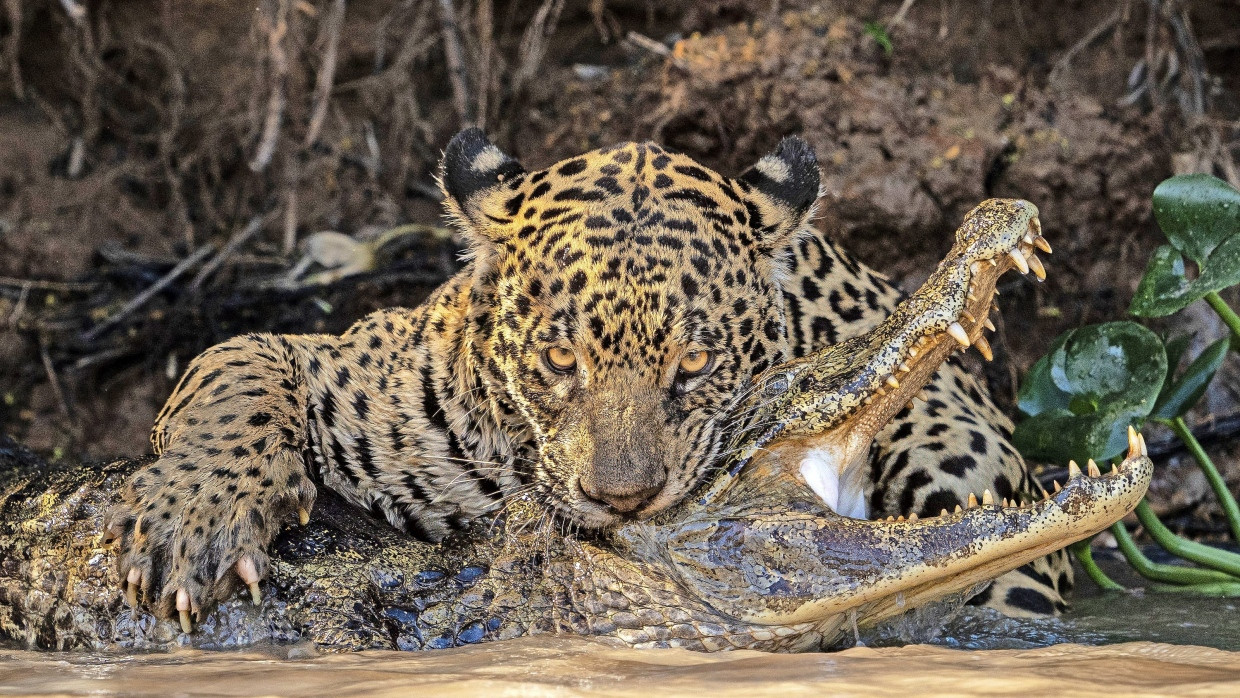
{"type": "Point", "coordinates": [1082, 396]}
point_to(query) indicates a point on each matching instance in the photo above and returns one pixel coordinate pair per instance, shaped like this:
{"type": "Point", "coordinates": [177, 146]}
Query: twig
{"type": "Point", "coordinates": [900, 14]}
{"type": "Point", "coordinates": [19, 307]}
{"type": "Point", "coordinates": [327, 73]}
{"type": "Point", "coordinates": [277, 28]}
{"type": "Point", "coordinates": [235, 242]}
{"type": "Point", "coordinates": [451, 33]}
{"type": "Point", "coordinates": [1102, 29]}
{"type": "Point", "coordinates": [75, 11]}
{"type": "Point", "coordinates": [13, 46]}
{"type": "Point", "coordinates": [142, 298]}
{"type": "Point", "coordinates": [40, 285]}
{"type": "Point", "coordinates": [54, 381]}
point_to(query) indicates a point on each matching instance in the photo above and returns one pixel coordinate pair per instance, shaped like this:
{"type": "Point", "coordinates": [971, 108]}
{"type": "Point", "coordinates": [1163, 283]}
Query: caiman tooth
{"type": "Point", "coordinates": [1114, 469]}
{"type": "Point", "coordinates": [1074, 470]}
{"type": "Point", "coordinates": [868, 399]}
{"type": "Point", "coordinates": [912, 352]}
{"type": "Point", "coordinates": [994, 307]}
{"type": "Point", "coordinates": [891, 519]}
{"type": "Point", "coordinates": [1018, 259]}
{"type": "Point", "coordinates": [1005, 502]}
{"type": "Point", "coordinates": [904, 368]}
{"type": "Point", "coordinates": [957, 332]}
{"type": "Point", "coordinates": [988, 324]}
{"type": "Point", "coordinates": [987, 498]}
{"type": "Point", "coordinates": [1036, 265]}
{"type": "Point", "coordinates": [900, 518]}
{"type": "Point", "coordinates": [958, 509]}
{"type": "Point", "coordinates": [912, 517]}
{"type": "Point", "coordinates": [1144, 451]}
{"type": "Point", "coordinates": [968, 316]}
{"type": "Point", "coordinates": [1058, 487]}
{"type": "Point", "coordinates": [993, 262]}
{"type": "Point", "coordinates": [1134, 446]}
{"type": "Point", "coordinates": [880, 390]}
{"type": "Point", "coordinates": [891, 381]}
{"type": "Point", "coordinates": [983, 348]}
{"type": "Point", "coordinates": [972, 500]}
{"type": "Point", "coordinates": [970, 296]}
{"type": "Point", "coordinates": [1041, 243]}
{"type": "Point", "coordinates": [943, 513]}
{"type": "Point", "coordinates": [1092, 468]}
{"type": "Point", "coordinates": [923, 395]}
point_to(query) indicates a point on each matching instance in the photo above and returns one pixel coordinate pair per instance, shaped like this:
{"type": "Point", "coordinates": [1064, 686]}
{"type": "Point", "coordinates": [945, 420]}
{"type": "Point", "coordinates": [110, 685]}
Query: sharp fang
{"type": "Point", "coordinates": [1134, 447]}
{"type": "Point", "coordinates": [993, 262]}
{"type": "Point", "coordinates": [1144, 451]}
{"type": "Point", "coordinates": [1036, 265]}
{"type": "Point", "coordinates": [912, 352]}
{"type": "Point", "coordinates": [891, 381]}
{"type": "Point", "coordinates": [994, 307]}
{"type": "Point", "coordinates": [923, 395]}
{"type": "Point", "coordinates": [1041, 243]}
{"type": "Point", "coordinates": [972, 500]}
{"type": "Point", "coordinates": [1018, 259]}
{"type": "Point", "coordinates": [957, 332]}
{"type": "Point", "coordinates": [1028, 238]}
{"type": "Point", "coordinates": [912, 517]}
{"type": "Point", "coordinates": [944, 512]}
{"type": "Point", "coordinates": [1092, 468]}
{"type": "Point", "coordinates": [958, 509]}
{"type": "Point", "coordinates": [1058, 487]}
{"type": "Point", "coordinates": [968, 316]}
{"type": "Point", "coordinates": [970, 296]}
{"type": "Point", "coordinates": [1114, 469]}
{"type": "Point", "coordinates": [880, 390]}
{"type": "Point", "coordinates": [904, 368]}
{"type": "Point", "coordinates": [988, 324]}
{"type": "Point", "coordinates": [983, 348]}
{"type": "Point", "coordinates": [1074, 470]}
{"type": "Point", "coordinates": [996, 294]}
{"type": "Point", "coordinates": [987, 498]}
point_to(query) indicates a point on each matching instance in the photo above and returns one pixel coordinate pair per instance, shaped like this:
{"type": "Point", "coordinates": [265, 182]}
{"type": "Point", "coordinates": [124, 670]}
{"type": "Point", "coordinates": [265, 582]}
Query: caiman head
{"type": "Point", "coordinates": [765, 544]}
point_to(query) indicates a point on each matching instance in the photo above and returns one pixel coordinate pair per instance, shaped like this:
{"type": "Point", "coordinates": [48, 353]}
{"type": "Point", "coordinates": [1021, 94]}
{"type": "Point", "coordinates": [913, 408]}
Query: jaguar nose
{"type": "Point", "coordinates": [622, 502]}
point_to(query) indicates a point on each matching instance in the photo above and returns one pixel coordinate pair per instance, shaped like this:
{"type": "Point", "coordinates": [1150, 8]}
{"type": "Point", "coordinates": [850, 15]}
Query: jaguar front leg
{"type": "Point", "coordinates": [198, 520]}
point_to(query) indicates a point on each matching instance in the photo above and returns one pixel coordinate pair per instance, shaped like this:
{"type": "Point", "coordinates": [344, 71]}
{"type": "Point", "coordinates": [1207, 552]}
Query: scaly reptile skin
{"type": "Point", "coordinates": [755, 560]}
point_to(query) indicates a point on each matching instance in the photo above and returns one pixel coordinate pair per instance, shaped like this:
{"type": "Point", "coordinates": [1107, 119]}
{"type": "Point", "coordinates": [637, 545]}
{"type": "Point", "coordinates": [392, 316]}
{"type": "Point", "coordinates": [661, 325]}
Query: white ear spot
{"type": "Point", "coordinates": [488, 159]}
{"type": "Point", "coordinates": [774, 168]}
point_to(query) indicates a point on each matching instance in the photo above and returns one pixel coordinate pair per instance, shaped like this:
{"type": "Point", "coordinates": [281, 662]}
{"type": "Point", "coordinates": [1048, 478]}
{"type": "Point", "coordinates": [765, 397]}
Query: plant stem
{"type": "Point", "coordinates": [1187, 549]}
{"type": "Point", "coordinates": [1173, 574]}
{"type": "Point", "coordinates": [1225, 498]}
{"type": "Point", "coordinates": [1227, 314]}
{"type": "Point", "coordinates": [1085, 556]}
{"type": "Point", "coordinates": [1224, 589]}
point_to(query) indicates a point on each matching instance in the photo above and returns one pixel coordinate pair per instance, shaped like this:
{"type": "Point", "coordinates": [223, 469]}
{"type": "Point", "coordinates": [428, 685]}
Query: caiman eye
{"type": "Point", "coordinates": [560, 359]}
{"type": "Point", "coordinates": [695, 362]}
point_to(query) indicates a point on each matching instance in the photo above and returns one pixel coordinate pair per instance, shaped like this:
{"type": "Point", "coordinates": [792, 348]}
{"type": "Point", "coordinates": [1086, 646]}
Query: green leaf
{"type": "Point", "coordinates": [1200, 215]}
{"type": "Point", "coordinates": [879, 33]}
{"type": "Point", "coordinates": [1175, 348]}
{"type": "Point", "coordinates": [1083, 395]}
{"type": "Point", "coordinates": [1180, 395]}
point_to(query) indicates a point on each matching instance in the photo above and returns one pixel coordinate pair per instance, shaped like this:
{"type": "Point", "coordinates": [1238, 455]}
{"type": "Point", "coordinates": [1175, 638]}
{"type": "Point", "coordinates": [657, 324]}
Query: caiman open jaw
{"type": "Point", "coordinates": [760, 546]}
{"type": "Point", "coordinates": [828, 406]}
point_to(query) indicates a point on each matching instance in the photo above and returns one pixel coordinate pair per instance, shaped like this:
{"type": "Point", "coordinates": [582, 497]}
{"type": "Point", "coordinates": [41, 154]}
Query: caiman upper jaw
{"type": "Point", "coordinates": [832, 403]}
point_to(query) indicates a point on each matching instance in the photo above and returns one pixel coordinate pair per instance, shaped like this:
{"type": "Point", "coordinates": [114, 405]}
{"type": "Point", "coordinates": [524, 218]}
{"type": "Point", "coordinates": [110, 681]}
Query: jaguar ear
{"type": "Point", "coordinates": [782, 188]}
{"type": "Point", "coordinates": [477, 179]}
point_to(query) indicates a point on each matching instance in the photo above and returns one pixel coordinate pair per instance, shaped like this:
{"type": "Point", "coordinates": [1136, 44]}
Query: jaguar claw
{"type": "Point", "coordinates": [132, 583]}
{"type": "Point", "coordinates": [248, 571]}
{"type": "Point", "coordinates": [183, 607]}
{"type": "Point", "coordinates": [303, 516]}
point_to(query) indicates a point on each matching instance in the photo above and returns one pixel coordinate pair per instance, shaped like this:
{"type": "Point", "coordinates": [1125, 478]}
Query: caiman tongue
{"type": "Point", "coordinates": [824, 410]}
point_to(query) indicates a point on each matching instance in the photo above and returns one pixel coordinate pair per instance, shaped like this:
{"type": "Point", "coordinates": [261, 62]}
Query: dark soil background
{"type": "Point", "coordinates": [173, 173]}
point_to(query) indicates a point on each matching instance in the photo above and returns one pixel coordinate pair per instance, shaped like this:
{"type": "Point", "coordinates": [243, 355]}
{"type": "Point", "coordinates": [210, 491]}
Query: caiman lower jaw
{"type": "Point", "coordinates": [882, 568]}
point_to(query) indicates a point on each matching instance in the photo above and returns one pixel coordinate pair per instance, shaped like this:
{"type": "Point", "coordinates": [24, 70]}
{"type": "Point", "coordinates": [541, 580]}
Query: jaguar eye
{"type": "Point", "coordinates": [695, 362]}
{"type": "Point", "coordinates": [560, 359]}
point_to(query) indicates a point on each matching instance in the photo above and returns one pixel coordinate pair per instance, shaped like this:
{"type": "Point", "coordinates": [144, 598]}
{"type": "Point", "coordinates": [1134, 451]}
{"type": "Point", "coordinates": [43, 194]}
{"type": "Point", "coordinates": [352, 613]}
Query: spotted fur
{"type": "Point", "coordinates": [630, 259]}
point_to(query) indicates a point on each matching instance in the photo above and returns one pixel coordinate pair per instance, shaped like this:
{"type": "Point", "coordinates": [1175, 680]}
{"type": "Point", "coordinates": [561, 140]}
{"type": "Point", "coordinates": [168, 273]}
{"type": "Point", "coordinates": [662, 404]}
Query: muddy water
{"type": "Point", "coordinates": [565, 667]}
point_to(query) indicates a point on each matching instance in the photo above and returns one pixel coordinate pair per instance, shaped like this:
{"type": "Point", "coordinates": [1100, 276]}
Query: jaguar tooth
{"type": "Point", "coordinates": [904, 368]}
{"type": "Point", "coordinates": [1092, 468]}
{"type": "Point", "coordinates": [1018, 259]}
{"type": "Point", "coordinates": [1036, 265]}
{"type": "Point", "coordinates": [891, 381]}
{"type": "Point", "coordinates": [1041, 243]}
{"type": "Point", "coordinates": [957, 332]}
{"type": "Point", "coordinates": [1074, 470]}
{"type": "Point", "coordinates": [988, 324]}
{"type": "Point", "coordinates": [987, 498]}
{"type": "Point", "coordinates": [972, 500]}
{"type": "Point", "coordinates": [983, 348]}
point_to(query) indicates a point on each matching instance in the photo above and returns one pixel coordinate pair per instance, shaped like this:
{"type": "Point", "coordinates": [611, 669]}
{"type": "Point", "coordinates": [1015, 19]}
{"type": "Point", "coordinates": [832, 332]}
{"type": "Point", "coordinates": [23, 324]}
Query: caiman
{"type": "Point", "coordinates": [754, 559]}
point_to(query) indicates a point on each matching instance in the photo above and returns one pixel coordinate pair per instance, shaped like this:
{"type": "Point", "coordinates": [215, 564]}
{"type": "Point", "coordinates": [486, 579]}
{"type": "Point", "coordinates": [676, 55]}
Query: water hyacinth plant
{"type": "Point", "coordinates": [1099, 380]}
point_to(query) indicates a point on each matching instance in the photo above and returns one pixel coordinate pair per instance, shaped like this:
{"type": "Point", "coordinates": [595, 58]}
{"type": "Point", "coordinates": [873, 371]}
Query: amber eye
{"type": "Point", "coordinates": [560, 359]}
{"type": "Point", "coordinates": [695, 362]}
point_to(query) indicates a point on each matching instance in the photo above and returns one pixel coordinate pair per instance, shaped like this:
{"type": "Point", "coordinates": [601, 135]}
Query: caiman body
{"type": "Point", "coordinates": [755, 559]}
